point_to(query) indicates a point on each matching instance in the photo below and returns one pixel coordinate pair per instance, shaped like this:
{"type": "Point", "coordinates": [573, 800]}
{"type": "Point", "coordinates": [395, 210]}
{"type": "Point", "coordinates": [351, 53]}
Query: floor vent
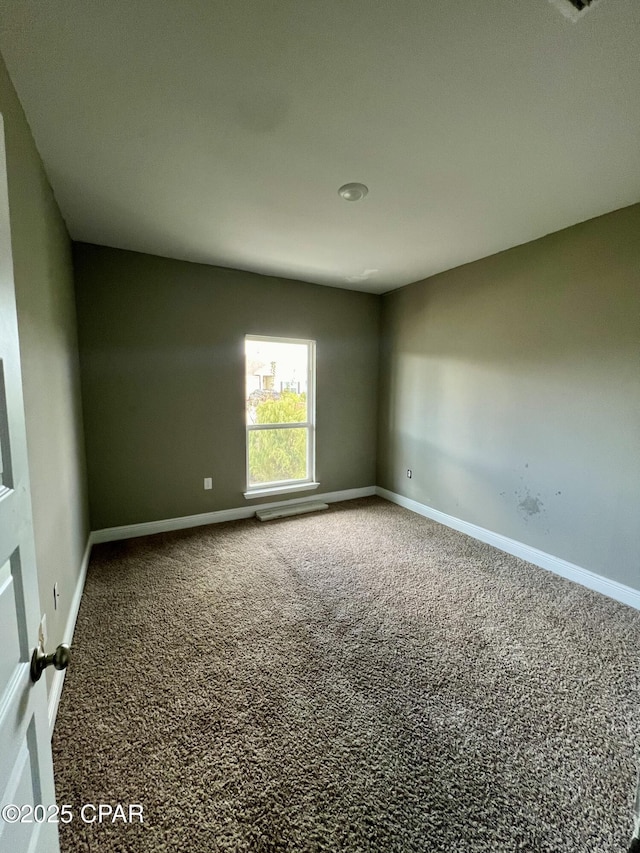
{"type": "Point", "coordinates": [574, 9]}
{"type": "Point", "coordinates": [293, 509]}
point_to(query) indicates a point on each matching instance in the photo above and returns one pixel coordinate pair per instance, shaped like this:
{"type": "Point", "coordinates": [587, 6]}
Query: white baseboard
{"type": "Point", "coordinates": [129, 531]}
{"type": "Point", "coordinates": [112, 534]}
{"type": "Point", "coordinates": [58, 675]}
{"type": "Point", "coordinates": [612, 589]}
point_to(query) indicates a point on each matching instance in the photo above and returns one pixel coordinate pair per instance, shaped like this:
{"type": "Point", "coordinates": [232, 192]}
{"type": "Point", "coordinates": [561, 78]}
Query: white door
{"type": "Point", "coordinates": [26, 768]}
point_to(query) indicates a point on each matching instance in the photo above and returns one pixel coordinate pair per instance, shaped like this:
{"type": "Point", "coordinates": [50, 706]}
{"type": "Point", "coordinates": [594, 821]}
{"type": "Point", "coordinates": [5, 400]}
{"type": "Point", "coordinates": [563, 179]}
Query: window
{"type": "Point", "coordinates": [280, 414]}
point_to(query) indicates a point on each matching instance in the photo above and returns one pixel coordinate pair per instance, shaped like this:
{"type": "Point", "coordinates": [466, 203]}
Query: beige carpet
{"type": "Point", "coordinates": [357, 680]}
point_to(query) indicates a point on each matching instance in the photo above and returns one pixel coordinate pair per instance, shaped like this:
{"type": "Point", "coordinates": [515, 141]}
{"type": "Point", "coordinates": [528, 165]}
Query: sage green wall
{"type": "Point", "coordinates": [162, 354]}
{"type": "Point", "coordinates": [49, 355]}
{"type": "Point", "coordinates": [511, 388]}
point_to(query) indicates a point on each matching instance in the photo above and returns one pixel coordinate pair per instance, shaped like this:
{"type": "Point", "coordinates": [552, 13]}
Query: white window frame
{"type": "Point", "coordinates": [283, 486]}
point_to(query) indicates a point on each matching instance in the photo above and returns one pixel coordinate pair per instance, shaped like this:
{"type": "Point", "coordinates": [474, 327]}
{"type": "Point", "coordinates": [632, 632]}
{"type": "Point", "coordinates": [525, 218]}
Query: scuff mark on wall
{"type": "Point", "coordinates": [531, 505]}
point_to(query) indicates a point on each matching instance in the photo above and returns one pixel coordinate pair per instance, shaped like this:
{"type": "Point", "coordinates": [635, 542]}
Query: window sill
{"type": "Point", "coordinates": [279, 490]}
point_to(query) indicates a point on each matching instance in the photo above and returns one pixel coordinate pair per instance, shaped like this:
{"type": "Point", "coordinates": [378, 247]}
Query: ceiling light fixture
{"type": "Point", "coordinates": [353, 192]}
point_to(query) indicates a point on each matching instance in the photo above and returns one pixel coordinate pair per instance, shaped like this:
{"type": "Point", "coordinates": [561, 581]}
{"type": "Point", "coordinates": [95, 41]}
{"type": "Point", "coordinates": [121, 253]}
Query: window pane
{"type": "Point", "coordinates": [276, 382]}
{"type": "Point", "coordinates": [277, 454]}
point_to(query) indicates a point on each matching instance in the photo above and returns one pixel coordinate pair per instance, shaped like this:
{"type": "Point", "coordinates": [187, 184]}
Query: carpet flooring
{"type": "Point", "coordinates": [361, 679]}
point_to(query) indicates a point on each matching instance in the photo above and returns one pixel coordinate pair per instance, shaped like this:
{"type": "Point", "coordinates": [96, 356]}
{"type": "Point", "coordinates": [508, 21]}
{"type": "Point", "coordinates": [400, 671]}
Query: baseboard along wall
{"type": "Point", "coordinates": [598, 583]}
{"type": "Point", "coordinates": [129, 531]}
{"type": "Point", "coordinates": [59, 674]}
{"type": "Point", "coordinates": [612, 589]}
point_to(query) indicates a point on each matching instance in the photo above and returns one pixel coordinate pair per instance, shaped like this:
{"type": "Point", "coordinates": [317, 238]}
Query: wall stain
{"type": "Point", "coordinates": [531, 505]}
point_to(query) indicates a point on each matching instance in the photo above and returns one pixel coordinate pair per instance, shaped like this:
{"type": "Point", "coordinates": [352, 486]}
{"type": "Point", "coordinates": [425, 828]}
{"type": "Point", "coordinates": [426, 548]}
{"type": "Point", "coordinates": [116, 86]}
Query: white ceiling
{"type": "Point", "coordinates": [219, 132]}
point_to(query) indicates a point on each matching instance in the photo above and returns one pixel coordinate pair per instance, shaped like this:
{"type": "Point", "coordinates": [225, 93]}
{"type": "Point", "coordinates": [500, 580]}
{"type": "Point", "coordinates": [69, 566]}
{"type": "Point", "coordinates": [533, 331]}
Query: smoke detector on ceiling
{"type": "Point", "coordinates": [353, 192]}
{"type": "Point", "coordinates": [574, 9]}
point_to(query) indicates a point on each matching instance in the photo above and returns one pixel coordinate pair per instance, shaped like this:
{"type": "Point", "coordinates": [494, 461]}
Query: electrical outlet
{"type": "Point", "coordinates": [56, 595]}
{"type": "Point", "coordinates": [409, 473]}
{"type": "Point", "coordinates": [208, 483]}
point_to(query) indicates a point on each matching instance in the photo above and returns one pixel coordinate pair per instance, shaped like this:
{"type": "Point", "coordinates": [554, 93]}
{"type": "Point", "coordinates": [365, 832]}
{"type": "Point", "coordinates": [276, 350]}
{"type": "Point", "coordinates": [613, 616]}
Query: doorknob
{"type": "Point", "coordinates": [39, 661]}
